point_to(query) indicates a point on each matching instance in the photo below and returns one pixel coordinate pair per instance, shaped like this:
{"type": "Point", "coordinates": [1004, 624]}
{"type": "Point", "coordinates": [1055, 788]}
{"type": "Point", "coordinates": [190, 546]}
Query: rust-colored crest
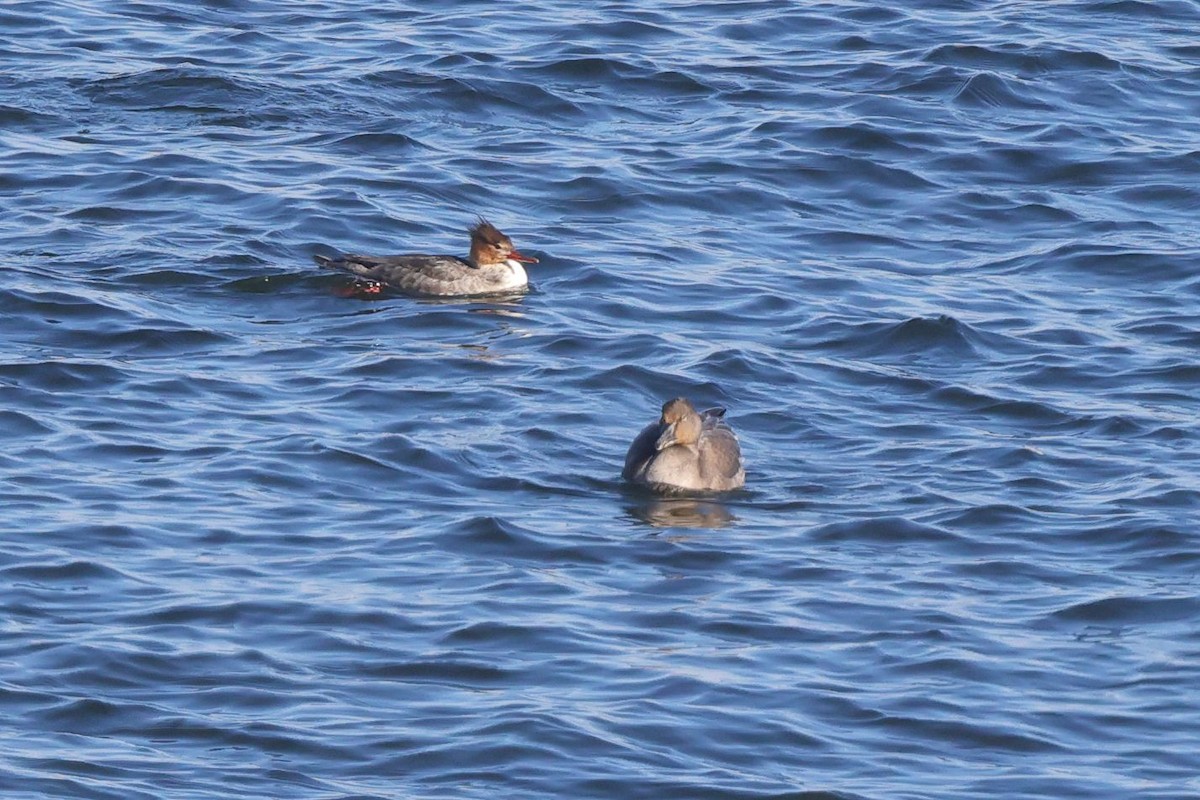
{"type": "Point", "coordinates": [489, 233]}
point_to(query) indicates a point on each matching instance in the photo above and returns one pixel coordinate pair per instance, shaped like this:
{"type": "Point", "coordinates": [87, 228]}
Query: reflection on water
{"type": "Point", "coordinates": [683, 512]}
{"type": "Point", "coordinates": [503, 305]}
{"type": "Point", "coordinates": [482, 350]}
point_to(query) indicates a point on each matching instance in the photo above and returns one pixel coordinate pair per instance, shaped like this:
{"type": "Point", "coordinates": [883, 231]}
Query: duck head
{"type": "Point", "coordinates": [680, 424]}
{"type": "Point", "coordinates": [490, 246]}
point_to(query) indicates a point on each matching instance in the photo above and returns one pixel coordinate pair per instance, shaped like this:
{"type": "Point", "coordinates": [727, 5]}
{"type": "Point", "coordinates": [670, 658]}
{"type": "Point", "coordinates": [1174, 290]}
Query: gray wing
{"type": "Point", "coordinates": [720, 451]}
{"type": "Point", "coordinates": [642, 450]}
{"type": "Point", "coordinates": [355, 265]}
{"type": "Point", "coordinates": [415, 273]}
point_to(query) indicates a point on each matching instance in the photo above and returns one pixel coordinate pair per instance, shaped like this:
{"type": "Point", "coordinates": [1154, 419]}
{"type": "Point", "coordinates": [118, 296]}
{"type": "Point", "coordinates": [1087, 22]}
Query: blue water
{"type": "Point", "coordinates": [939, 260]}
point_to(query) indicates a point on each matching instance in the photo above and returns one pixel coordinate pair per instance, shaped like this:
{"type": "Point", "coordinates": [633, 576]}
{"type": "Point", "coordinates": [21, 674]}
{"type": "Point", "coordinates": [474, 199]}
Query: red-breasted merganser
{"type": "Point", "coordinates": [686, 450]}
{"type": "Point", "coordinates": [492, 267]}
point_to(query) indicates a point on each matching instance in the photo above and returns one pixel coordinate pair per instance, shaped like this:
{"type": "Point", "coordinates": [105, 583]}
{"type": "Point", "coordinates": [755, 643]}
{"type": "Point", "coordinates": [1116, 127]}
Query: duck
{"type": "Point", "coordinates": [686, 450]}
{"type": "Point", "coordinates": [492, 266]}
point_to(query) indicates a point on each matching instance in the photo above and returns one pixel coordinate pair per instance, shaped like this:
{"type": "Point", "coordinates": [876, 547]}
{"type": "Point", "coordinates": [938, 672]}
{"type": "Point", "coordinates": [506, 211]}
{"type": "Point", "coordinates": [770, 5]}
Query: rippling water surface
{"type": "Point", "coordinates": [939, 260]}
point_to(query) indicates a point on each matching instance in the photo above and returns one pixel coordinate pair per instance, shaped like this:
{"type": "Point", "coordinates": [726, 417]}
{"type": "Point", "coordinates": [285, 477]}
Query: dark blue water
{"type": "Point", "coordinates": [940, 261]}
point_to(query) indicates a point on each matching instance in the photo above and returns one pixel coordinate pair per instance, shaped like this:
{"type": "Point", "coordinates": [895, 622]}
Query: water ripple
{"type": "Point", "coordinates": [269, 541]}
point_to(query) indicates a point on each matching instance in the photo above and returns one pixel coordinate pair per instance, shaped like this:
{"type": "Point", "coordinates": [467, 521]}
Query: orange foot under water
{"type": "Point", "coordinates": [361, 288]}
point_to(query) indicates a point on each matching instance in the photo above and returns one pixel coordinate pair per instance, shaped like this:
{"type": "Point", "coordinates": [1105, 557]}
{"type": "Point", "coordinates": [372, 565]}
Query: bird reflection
{"type": "Point", "coordinates": [683, 512]}
{"type": "Point", "coordinates": [501, 305]}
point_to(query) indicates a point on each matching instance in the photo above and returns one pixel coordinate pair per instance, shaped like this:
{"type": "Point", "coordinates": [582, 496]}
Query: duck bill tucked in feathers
{"type": "Point", "coordinates": [666, 438]}
{"type": "Point", "coordinates": [686, 450]}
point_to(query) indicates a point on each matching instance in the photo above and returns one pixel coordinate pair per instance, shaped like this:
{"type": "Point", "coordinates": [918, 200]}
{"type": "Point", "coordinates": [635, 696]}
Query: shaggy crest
{"type": "Point", "coordinates": [489, 233]}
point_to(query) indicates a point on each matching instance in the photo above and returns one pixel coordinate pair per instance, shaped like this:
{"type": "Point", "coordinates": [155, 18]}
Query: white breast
{"type": "Point", "coordinates": [516, 277]}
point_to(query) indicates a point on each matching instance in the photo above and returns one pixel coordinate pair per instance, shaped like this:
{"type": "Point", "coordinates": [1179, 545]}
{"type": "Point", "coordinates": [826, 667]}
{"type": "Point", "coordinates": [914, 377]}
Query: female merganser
{"type": "Point", "coordinates": [492, 267]}
{"type": "Point", "coordinates": [686, 450]}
